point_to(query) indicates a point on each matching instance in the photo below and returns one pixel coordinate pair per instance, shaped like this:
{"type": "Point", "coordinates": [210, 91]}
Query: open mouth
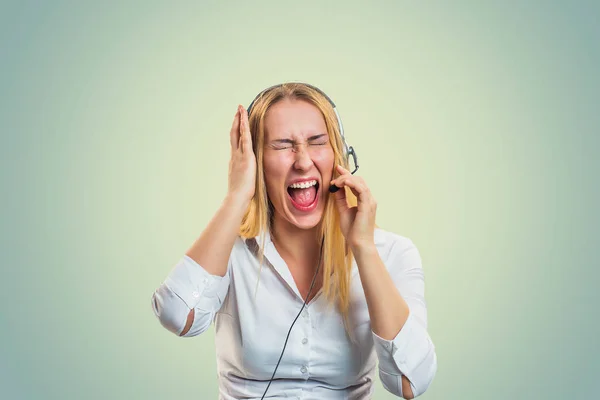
{"type": "Point", "coordinates": [304, 196]}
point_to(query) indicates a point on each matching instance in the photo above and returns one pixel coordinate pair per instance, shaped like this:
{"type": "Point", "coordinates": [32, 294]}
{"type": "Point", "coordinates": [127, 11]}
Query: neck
{"type": "Point", "coordinates": [298, 244]}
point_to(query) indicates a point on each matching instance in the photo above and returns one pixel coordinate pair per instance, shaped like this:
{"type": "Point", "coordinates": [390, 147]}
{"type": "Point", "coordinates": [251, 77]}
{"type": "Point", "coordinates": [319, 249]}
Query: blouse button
{"type": "Point", "coordinates": [303, 369]}
{"type": "Point", "coordinates": [304, 341]}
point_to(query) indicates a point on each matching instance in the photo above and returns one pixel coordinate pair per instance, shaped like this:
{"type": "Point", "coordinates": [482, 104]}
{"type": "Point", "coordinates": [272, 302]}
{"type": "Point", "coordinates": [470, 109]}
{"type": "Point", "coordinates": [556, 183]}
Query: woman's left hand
{"type": "Point", "coordinates": [357, 222]}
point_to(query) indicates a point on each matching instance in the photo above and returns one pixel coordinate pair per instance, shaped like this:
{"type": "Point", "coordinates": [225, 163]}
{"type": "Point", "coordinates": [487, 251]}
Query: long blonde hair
{"type": "Point", "coordinates": [337, 256]}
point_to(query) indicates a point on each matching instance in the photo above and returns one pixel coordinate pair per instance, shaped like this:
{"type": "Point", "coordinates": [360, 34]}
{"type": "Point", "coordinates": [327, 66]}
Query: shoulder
{"type": "Point", "coordinates": [395, 250]}
{"type": "Point", "coordinates": [248, 248]}
{"type": "Point", "coordinates": [387, 241]}
{"type": "Point", "coordinates": [241, 247]}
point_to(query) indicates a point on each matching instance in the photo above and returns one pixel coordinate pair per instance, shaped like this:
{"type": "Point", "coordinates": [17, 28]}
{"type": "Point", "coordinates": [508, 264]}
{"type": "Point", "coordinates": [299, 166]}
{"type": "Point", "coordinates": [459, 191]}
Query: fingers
{"type": "Point", "coordinates": [342, 170]}
{"type": "Point", "coordinates": [344, 176]}
{"type": "Point", "coordinates": [340, 200]}
{"type": "Point", "coordinates": [352, 182]}
{"type": "Point", "coordinates": [245, 137]}
{"type": "Point", "coordinates": [234, 134]}
{"type": "Point", "coordinates": [356, 184]}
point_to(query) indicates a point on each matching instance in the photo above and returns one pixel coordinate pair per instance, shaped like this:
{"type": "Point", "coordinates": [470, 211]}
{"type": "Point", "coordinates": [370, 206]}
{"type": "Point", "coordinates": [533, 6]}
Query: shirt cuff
{"type": "Point", "coordinates": [403, 354]}
{"type": "Point", "coordinates": [191, 282]}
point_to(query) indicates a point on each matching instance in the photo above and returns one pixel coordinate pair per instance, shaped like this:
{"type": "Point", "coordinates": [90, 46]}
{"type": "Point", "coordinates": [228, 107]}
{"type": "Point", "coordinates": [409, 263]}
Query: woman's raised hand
{"type": "Point", "coordinates": [242, 166]}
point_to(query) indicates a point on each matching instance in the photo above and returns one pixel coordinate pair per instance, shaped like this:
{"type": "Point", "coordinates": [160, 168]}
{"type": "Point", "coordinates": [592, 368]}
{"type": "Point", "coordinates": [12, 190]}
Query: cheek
{"type": "Point", "coordinates": [324, 160]}
{"type": "Point", "coordinates": [275, 171]}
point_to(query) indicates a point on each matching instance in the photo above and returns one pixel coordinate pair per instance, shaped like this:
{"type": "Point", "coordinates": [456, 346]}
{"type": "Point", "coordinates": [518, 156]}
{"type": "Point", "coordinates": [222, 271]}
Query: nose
{"type": "Point", "coordinates": [303, 160]}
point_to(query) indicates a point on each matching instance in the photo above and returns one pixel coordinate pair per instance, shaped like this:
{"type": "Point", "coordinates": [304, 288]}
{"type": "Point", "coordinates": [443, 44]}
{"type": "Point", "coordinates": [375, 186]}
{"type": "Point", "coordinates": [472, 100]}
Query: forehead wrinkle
{"type": "Point", "coordinates": [285, 124]}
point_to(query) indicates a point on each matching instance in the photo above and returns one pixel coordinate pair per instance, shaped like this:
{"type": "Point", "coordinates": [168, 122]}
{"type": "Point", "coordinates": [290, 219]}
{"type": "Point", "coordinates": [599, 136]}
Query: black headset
{"type": "Point", "coordinates": [348, 152]}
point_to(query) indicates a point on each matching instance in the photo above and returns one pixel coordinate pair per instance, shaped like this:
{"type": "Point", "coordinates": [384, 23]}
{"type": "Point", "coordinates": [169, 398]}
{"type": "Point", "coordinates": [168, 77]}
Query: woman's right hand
{"type": "Point", "coordinates": [242, 166]}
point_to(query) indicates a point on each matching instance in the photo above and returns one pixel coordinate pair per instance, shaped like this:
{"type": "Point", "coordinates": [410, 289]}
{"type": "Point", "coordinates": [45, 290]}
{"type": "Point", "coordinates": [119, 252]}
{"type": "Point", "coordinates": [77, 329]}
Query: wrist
{"type": "Point", "coordinates": [236, 202]}
{"type": "Point", "coordinates": [363, 249]}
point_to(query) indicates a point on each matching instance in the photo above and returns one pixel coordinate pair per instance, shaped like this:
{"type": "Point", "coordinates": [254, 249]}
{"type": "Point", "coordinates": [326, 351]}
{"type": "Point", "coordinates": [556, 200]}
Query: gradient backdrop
{"type": "Point", "coordinates": [477, 128]}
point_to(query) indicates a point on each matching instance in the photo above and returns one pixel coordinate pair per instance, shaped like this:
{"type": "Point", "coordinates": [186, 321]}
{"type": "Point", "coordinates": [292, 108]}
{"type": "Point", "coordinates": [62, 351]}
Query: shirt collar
{"type": "Point", "coordinates": [274, 259]}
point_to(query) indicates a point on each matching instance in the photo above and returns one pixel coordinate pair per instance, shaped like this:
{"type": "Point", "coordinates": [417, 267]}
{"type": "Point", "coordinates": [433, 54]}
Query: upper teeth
{"type": "Point", "coordinates": [303, 185]}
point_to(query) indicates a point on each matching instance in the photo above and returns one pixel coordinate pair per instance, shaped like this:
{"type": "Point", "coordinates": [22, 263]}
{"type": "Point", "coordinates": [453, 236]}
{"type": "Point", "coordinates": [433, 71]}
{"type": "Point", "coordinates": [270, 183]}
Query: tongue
{"type": "Point", "coordinates": [304, 197]}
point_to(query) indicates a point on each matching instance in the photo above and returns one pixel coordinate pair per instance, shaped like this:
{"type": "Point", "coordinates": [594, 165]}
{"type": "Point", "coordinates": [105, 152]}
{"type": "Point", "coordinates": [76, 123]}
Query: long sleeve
{"type": "Point", "coordinates": [411, 352]}
{"type": "Point", "coordinates": [189, 286]}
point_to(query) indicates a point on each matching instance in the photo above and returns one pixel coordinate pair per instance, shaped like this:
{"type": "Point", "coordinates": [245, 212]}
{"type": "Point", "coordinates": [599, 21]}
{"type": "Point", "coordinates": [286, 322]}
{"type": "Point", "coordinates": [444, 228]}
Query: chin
{"type": "Point", "coordinates": [304, 222]}
{"type": "Point", "coordinates": [308, 222]}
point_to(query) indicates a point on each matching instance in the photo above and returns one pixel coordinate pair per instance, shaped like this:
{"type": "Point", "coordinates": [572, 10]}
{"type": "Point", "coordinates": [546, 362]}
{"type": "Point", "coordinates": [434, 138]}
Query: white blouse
{"type": "Point", "coordinates": [320, 361]}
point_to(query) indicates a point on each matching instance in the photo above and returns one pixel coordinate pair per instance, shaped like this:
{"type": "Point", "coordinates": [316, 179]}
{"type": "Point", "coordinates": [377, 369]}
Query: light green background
{"type": "Point", "coordinates": [477, 129]}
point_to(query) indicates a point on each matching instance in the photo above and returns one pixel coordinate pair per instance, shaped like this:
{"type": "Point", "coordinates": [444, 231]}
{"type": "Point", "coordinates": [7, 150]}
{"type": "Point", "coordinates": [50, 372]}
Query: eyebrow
{"type": "Point", "coordinates": [293, 141]}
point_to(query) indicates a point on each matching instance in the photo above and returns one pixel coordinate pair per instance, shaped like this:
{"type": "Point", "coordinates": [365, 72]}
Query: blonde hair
{"type": "Point", "coordinates": [337, 256]}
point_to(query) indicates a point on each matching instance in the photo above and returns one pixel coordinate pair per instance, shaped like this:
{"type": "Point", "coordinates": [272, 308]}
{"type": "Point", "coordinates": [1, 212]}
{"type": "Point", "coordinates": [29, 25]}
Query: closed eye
{"type": "Point", "coordinates": [286, 147]}
{"type": "Point", "coordinates": [282, 148]}
{"type": "Point", "coordinates": [285, 144]}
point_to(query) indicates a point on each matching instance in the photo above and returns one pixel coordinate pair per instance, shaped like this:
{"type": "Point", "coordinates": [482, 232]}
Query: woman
{"type": "Point", "coordinates": [366, 303]}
